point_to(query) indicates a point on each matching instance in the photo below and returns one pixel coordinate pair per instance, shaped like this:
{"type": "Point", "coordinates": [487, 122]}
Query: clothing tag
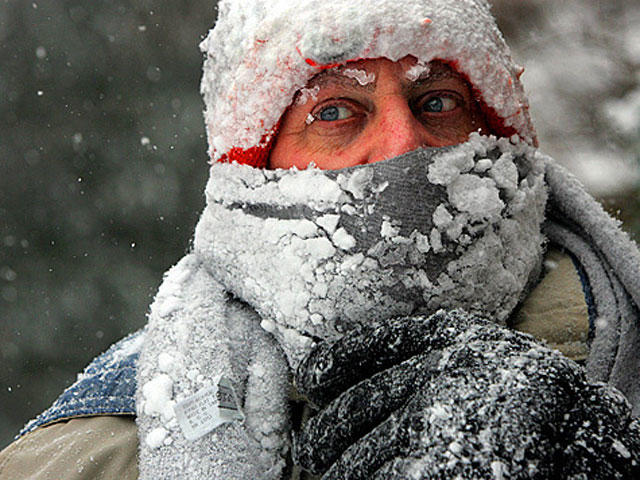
{"type": "Point", "coordinates": [210, 407]}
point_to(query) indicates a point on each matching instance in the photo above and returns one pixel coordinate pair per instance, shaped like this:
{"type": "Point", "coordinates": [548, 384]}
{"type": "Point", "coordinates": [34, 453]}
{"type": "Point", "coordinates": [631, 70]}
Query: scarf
{"type": "Point", "coordinates": [316, 253]}
{"type": "Point", "coordinates": [284, 258]}
{"type": "Point", "coordinates": [609, 263]}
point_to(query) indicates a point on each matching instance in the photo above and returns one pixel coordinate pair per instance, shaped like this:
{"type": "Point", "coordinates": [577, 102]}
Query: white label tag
{"type": "Point", "coordinates": [214, 405]}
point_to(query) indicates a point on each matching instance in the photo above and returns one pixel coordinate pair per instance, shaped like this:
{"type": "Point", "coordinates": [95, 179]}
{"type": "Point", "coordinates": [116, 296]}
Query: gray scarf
{"type": "Point", "coordinates": [317, 252]}
{"type": "Point", "coordinates": [309, 254]}
{"type": "Point", "coordinates": [610, 264]}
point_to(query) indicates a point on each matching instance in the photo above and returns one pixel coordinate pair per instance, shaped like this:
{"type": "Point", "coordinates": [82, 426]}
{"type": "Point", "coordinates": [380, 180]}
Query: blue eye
{"type": "Point", "coordinates": [439, 105]}
{"type": "Point", "coordinates": [333, 113]}
{"type": "Point", "coordinates": [434, 105]}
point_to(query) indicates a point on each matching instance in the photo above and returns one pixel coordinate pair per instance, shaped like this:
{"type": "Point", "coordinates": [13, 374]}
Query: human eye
{"type": "Point", "coordinates": [332, 112]}
{"type": "Point", "coordinates": [337, 116]}
{"type": "Point", "coordinates": [438, 102]}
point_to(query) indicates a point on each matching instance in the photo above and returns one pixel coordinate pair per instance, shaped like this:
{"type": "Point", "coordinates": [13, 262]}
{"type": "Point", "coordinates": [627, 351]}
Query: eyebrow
{"type": "Point", "coordinates": [337, 77]}
{"type": "Point", "coordinates": [438, 71]}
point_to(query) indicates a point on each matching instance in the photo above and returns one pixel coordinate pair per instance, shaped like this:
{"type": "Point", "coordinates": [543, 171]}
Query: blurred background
{"type": "Point", "coordinates": [103, 158]}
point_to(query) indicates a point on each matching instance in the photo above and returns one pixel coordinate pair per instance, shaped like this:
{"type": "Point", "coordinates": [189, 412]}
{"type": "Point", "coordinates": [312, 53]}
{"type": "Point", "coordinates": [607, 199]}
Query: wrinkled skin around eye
{"type": "Point", "coordinates": [348, 123]}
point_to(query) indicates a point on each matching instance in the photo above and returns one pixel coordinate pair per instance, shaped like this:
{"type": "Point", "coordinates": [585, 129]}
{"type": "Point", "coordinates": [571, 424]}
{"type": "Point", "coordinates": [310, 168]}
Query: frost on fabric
{"type": "Point", "coordinates": [621, 449]}
{"type": "Point", "coordinates": [441, 217]}
{"type": "Point", "coordinates": [165, 362]}
{"type": "Point", "coordinates": [307, 94]}
{"type": "Point", "coordinates": [343, 240]}
{"type": "Point", "coordinates": [417, 71]}
{"type": "Point", "coordinates": [475, 195]}
{"type": "Point", "coordinates": [356, 183]}
{"type": "Point", "coordinates": [156, 437]}
{"type": "Point", "coordinates": [170, 293]}
{"type": "Point", "coordinates": [480, 404]}
{"type": "Point", "coordinates": [505, 173]}
{"type": "Point", "coordinates": [157, 394]}
{"type": "Point", "coordinates": [328, 223]}
{"type": "Point", "coordinates": [361, 76]}
{"type": "Point", "coordinates": [261, 53]}
{"type": "Point", "coordinates": [273, 186]}
{"type": "Point", "coordinates": [128, 347]}
{"type": "Point", "coordinates": [206, 336]}
{"type": "Point", "coordinates": [388, 230]}
{"type": "Point", "coordinates": [314, 252]}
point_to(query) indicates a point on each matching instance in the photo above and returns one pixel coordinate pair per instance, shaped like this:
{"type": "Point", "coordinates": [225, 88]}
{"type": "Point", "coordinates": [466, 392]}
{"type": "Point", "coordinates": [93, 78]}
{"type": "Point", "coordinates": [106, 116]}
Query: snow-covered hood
{"type": "Point", "coordinates": [262, 51]}
{"type": "Point", "coordinates": [316, 252]}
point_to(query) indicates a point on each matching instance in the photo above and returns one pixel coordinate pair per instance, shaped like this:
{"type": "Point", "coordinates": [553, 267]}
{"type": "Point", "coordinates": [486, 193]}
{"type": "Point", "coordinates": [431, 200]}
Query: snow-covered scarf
{"type": "Point", "coordinates": [281, 259]}
{"type": "Point", "coordinates": [306, 255]}
{"type": "Point", "coordinates": [318, 252]}
{"type": "Point", "coordinates": [470, 238]}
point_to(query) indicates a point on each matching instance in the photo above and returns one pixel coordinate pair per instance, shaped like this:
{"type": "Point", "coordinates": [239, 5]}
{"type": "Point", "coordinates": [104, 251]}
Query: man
{"type": "Point", "coordinates": [377, 213]}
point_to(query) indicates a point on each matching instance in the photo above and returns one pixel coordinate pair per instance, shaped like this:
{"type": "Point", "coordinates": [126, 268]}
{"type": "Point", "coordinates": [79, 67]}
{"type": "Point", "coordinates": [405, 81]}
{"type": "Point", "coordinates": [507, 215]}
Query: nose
{"type": "Point", "coordinates": [395, 131]}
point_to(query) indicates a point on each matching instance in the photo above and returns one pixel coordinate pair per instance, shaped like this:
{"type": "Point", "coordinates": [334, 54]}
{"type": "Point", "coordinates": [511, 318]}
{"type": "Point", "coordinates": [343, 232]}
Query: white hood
{"type": "Point", "coordinates": [261, 52]}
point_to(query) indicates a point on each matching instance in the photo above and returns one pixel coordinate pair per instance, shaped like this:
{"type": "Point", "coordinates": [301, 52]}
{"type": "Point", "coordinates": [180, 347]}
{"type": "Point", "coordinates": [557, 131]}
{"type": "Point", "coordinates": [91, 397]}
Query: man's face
{"type": "Point", "coordinates": [372, 110]}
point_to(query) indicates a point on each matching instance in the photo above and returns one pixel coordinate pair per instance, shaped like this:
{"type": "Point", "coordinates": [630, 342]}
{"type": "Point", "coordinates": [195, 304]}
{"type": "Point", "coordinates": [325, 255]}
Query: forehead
{"type": "Point", "coordinates": [363, 74]}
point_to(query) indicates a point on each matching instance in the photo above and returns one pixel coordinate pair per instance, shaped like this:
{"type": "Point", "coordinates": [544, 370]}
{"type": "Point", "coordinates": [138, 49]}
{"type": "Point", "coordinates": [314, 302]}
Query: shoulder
{"type": "Point", "coordinates": [106, 386]}
{"type": "Point", "coordinates": [556, 311]}
{"type": "Point", "coordinates": [97, 448]}
{"type": "Point", "coordinates": [89, 432]}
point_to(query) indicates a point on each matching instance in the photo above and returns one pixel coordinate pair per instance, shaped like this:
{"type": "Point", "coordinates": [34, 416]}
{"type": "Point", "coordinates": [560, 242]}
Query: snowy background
{"type": "Point", "coordinates": [103, 158]}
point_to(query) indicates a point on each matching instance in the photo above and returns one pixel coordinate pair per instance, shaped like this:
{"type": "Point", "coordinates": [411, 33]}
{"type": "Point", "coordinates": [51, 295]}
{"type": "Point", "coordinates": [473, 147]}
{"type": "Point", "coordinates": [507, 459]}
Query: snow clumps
{"type": "Point", "coordinates": [361, 76]}
{"type": "Point", "coordinates": [313, 251]}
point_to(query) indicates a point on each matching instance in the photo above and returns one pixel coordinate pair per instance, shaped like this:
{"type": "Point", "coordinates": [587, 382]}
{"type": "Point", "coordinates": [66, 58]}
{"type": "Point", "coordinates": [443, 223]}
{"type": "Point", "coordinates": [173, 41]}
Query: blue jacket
{"type": "Point", "coordinates": [106, 387]}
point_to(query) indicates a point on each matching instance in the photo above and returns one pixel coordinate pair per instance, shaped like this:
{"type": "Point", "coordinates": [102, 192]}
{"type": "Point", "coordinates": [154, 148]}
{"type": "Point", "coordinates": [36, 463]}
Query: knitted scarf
{"type": "Point", "coordinates": [284, 258]}
{"type": "Point", "coordinates": [610, 269]}
{"type": "Point", "coordinates": [318, 252]}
